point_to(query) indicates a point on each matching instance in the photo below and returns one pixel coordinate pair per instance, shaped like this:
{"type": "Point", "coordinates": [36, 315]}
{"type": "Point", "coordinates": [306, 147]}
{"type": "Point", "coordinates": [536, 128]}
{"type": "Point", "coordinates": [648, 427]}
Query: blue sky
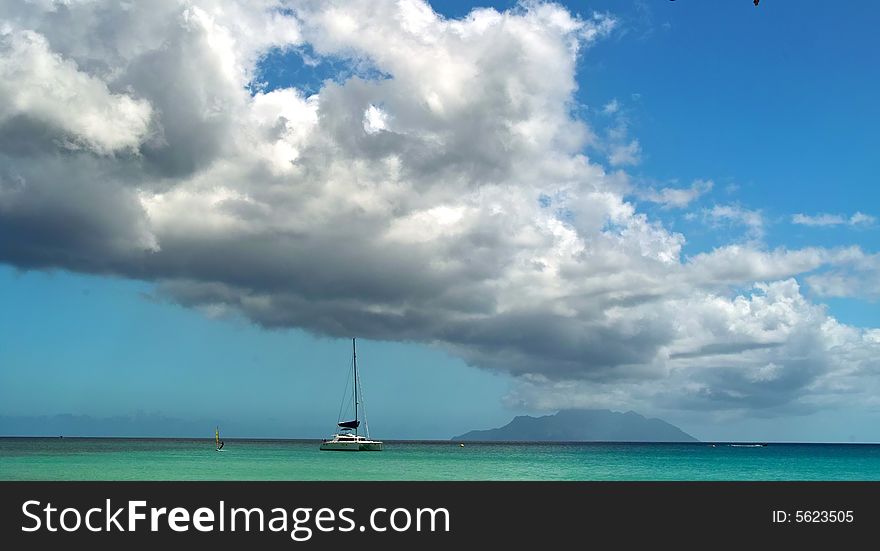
{"type": "Point", "coordinates": [100, 347]}
{"type": "Point", "coordinates": [776, 105]}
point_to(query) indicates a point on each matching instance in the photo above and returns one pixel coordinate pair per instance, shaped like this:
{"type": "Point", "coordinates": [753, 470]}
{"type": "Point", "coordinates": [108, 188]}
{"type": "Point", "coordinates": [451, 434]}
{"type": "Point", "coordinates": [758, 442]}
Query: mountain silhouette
{"type": "Point", "coordinates": [584, 425]}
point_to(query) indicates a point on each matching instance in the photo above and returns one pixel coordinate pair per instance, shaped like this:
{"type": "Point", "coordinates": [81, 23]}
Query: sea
{"type": "Point", "coordinates": [196, 459]}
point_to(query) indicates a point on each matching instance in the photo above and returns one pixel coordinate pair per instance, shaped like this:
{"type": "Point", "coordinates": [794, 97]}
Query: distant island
{"type": "Point", "coordinates": [583, 425]}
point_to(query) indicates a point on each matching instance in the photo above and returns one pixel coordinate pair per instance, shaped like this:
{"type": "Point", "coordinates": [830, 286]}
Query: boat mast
{"type": "Point", "coordinates": [355, 358]}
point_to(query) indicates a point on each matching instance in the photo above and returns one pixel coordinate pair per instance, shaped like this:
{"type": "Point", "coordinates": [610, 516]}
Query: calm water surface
{"type": "Point", "coordinates": [182, 459]}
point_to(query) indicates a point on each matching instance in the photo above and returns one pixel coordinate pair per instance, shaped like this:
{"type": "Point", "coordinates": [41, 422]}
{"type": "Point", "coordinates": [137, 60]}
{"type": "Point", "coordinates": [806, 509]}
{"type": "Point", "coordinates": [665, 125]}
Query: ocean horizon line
{"type": "Point", "coordinates": [451, 441]}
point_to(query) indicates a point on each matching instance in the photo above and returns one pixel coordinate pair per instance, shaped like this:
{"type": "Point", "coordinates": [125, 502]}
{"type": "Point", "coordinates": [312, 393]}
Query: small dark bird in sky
{"type": "Point", "coordinates": [756, 2]}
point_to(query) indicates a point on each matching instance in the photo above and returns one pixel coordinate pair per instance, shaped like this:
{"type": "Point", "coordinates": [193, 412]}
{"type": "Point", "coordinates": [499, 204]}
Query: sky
{"type": "Point", "coordinates": [666, 207]}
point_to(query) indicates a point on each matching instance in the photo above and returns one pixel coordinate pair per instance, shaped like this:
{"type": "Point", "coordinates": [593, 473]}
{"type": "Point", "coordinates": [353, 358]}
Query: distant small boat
{"type": "Point", "coordinates": [347, 438]}
{"type": "Point", "coordinates": [217, 441]}
{"type": "Point", "coordinates": [748, 445]}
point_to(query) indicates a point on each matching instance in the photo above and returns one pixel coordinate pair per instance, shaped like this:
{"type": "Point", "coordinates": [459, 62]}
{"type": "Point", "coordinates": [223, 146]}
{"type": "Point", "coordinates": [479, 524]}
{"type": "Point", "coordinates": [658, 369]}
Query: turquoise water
{"type": "Point", "coordinates": [173, 459]}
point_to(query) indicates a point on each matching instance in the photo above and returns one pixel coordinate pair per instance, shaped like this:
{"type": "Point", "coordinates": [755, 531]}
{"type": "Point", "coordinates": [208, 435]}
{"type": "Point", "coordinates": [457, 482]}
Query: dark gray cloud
{"type": "Point", "coordinates": [445, 201]}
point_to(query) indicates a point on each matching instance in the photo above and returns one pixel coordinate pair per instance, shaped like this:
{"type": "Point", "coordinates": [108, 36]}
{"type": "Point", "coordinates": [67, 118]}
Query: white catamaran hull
{"type": "Point", "coordinates": [362, 446]}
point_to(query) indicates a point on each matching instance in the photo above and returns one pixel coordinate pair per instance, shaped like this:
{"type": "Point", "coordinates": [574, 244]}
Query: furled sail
{"type": "Point", "coordinates": [349, 424]}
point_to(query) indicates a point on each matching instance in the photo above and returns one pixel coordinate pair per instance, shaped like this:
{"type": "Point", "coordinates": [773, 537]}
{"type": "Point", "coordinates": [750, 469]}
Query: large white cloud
{"type": "Point", "coordinates": [445, 200]}
{"type": "Point", "coordinates": [41, 87]}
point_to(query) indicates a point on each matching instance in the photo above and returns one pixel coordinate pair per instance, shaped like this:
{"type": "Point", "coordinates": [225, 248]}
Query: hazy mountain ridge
{"type": "Point", "coordinates": [583, 426]}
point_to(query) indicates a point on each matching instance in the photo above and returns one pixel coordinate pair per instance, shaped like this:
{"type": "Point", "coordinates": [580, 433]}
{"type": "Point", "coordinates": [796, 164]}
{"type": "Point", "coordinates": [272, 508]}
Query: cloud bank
{"type": "Point", "coordinates": [857, 219]}
{"type": "Point", "coordinates": [437, 193]}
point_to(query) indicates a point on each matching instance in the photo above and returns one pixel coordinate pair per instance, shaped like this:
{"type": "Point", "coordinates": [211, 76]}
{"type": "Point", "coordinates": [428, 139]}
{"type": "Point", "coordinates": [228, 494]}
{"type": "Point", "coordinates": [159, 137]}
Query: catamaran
{"type": "Point", "coordinates": [347, 437]}
{"type": "Point", "coordinates": [217, 441]}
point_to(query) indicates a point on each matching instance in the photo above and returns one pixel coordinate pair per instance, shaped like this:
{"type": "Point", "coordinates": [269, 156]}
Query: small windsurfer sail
{"type": "Point", "coordinates": [217, 441]}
